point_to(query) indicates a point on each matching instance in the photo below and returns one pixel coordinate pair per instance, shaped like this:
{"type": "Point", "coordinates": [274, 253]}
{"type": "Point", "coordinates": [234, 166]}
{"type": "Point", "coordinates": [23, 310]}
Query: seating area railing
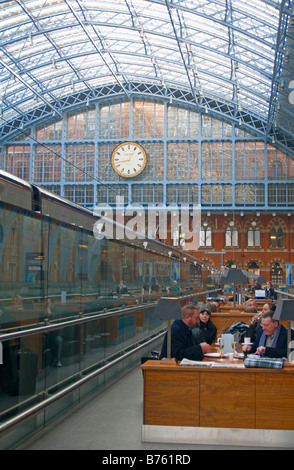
{"type": "Point", "coordinates": [56, 365]}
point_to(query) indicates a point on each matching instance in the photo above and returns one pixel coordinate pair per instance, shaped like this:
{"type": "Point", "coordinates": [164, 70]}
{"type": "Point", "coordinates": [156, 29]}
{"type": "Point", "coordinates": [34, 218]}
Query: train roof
{"type": "Point", "coordinates": [153, 245]}
{"type": "Point", "coordinates": [15, 180]}
{"type": "Point", "coordinates": [65, 202]}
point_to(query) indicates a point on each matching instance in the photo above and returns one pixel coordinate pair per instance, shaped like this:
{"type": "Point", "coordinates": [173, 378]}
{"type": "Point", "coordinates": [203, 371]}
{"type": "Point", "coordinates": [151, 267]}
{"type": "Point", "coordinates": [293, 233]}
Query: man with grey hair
{"type": "Point", "coordinates": [183, 344]}
{"type": "Point", "coordinates": [272, 339]}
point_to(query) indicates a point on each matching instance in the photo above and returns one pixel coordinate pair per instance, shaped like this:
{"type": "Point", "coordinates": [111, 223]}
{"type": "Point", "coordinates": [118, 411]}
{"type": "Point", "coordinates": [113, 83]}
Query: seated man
{"type": "Point", "coordinates": [272, 339]}
{"type": "Point", "coordinates": [183, 344]}
{"type": "Point", "coordinates": [251, 303]}
{"type": "Point", "coordinates": [255, 324]}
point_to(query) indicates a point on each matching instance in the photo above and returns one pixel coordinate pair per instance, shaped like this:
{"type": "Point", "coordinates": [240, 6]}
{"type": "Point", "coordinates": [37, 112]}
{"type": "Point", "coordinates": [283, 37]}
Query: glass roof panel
{"type": "Point", "coordinates": [230, 49]}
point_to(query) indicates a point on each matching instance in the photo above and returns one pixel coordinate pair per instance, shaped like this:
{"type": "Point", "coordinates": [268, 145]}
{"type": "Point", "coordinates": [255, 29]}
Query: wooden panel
{"type": "Point", "coordinates": [227, 400]}
{"type": "Point", "coordinates": [224, 320]}
{"type": "Point", "coordinates": [230, 306]}
{"type": "Point", "coordinates": [219, 398]}
{"type": "Point", "coordinates": [140, 318]}
{"type": "Point", "coordinates": [274, 401]}
{"type": "Point", "coordinates": [171, 398]}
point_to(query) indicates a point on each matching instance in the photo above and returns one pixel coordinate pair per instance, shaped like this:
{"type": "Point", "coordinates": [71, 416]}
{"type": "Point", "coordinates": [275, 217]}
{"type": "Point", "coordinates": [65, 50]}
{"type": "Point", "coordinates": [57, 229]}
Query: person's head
{"type": "Point", "coordinates": [250, 310]}
{"type": "Point", "coordinates": [251, 303]}
{"type": "Point", "coordinates": [190, 315]}
{"type": "Point", "coordinates": [268, 307]}
{"type": "Point", "coordinates": [269, 325]}
{"type": "Point", "coordinates": [17, 300]}
{"type": "Point", "coordinates": [205, 313]}
{"type": "Point", "coordinates": [213, 307]}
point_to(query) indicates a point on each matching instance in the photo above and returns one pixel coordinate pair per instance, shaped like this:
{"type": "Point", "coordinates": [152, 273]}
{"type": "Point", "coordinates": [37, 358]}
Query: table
{"type": "Point", "coordinates": [214, 405]}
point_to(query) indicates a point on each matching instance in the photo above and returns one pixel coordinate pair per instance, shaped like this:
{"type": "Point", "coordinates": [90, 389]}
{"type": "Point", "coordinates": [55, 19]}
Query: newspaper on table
{"type": "Point", "coordinates": [231, 365]}
{"type": "Point", "coordinates": [189, 362]}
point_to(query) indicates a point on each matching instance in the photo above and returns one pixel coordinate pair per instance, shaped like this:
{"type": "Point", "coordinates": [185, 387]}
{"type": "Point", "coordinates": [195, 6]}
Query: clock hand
{"type": "Point", "coordinates": [131, 156]}
{"type": "Point", "coordinates": [128, 159]}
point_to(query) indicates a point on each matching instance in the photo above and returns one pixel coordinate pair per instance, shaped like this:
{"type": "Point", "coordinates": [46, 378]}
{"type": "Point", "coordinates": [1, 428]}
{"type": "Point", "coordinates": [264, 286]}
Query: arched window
{"type": "Point", "coordinates": [231, 235]}
{"type": "Point", "coordinates": [276, 273]}
{"type": "Point", "coordinates": [253, 268]}
{"type": "Point", "coordinates": [231, 264]}
{"type": "Point", "coordinates": [276, 236]}
{"type": "Point", "coordinates": [205, 235]}
{"type": "Point", "coordinates": [253, 235]}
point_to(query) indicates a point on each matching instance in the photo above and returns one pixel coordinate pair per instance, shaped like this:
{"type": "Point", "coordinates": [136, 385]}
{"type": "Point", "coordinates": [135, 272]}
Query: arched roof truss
{"type": "Point", "coordinates": [230, 58]}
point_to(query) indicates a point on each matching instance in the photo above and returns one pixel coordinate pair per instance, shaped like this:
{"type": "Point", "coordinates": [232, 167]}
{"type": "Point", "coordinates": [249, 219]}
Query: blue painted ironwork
{"type": "Point", "coordinates": [230, 59]}
{"type": "Point", "coordinates": [229, 56]}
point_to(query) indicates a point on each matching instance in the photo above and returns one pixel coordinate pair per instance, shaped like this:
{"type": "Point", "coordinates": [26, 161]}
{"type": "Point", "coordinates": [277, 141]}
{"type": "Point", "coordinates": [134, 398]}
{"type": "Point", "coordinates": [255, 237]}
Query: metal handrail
{"type": "Point", "coordinates": [48, 401]}
{"type": "Point", "coordinates": [69, 389]}
{"type": "Point", "coordinates": [284, 293]}
{"type": "Point", "coordinates": [77, 321]}
{"type": "Point", "coordinates": [87, 318]}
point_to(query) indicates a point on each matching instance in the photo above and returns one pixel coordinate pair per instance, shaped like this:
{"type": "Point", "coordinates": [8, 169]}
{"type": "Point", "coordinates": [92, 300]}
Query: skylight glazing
{"type": "Point", "coordinates": [228, 50]}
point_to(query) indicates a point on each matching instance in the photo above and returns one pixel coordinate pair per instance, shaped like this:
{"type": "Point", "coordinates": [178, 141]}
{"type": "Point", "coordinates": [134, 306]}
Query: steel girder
{"type": "Point", "coordinates": [222, 110]}
{"type": "Point", "coordinates": [231, 58]}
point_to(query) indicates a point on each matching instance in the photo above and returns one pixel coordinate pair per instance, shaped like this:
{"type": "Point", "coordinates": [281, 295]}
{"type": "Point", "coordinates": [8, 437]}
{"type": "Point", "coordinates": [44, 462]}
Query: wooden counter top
{"type": "Point", "coordinates": [166, 365]}
{"type": "Point", "coordinates": [249, 398]}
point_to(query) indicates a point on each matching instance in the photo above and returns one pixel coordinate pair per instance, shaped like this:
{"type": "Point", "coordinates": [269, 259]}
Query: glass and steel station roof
{"type": "Point", "coordinates": [231, 58]}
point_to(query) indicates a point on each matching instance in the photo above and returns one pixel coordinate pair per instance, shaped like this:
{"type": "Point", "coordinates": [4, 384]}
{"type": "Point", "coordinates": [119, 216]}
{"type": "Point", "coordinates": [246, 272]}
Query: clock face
{"type": "Point", "coordinates": [129, 159]}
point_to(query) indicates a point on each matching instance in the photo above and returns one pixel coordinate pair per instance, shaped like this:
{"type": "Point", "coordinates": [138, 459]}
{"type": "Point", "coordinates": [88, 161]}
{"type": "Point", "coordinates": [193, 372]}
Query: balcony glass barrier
{"type": "Point", "coordinates": [71, 304]}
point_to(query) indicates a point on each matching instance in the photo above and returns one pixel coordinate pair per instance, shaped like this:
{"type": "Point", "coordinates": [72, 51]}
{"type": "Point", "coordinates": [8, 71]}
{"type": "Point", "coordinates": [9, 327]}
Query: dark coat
{"type": "Point", "coordinates": [209, 331]}
{"type": "Point", "coordinates": [182, 343]}
{"type": "Point", "coordinates": [281, 349]}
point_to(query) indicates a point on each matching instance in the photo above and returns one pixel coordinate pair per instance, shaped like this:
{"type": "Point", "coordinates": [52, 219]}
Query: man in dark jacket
{"type": "Point", "coordinates": [183, 344]}
{"type": "Point", "coordinates": [272, 339]}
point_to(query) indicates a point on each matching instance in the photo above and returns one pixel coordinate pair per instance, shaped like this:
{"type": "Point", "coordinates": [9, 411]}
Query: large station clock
{"type": "Point", "coordinates": [129, 159]}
